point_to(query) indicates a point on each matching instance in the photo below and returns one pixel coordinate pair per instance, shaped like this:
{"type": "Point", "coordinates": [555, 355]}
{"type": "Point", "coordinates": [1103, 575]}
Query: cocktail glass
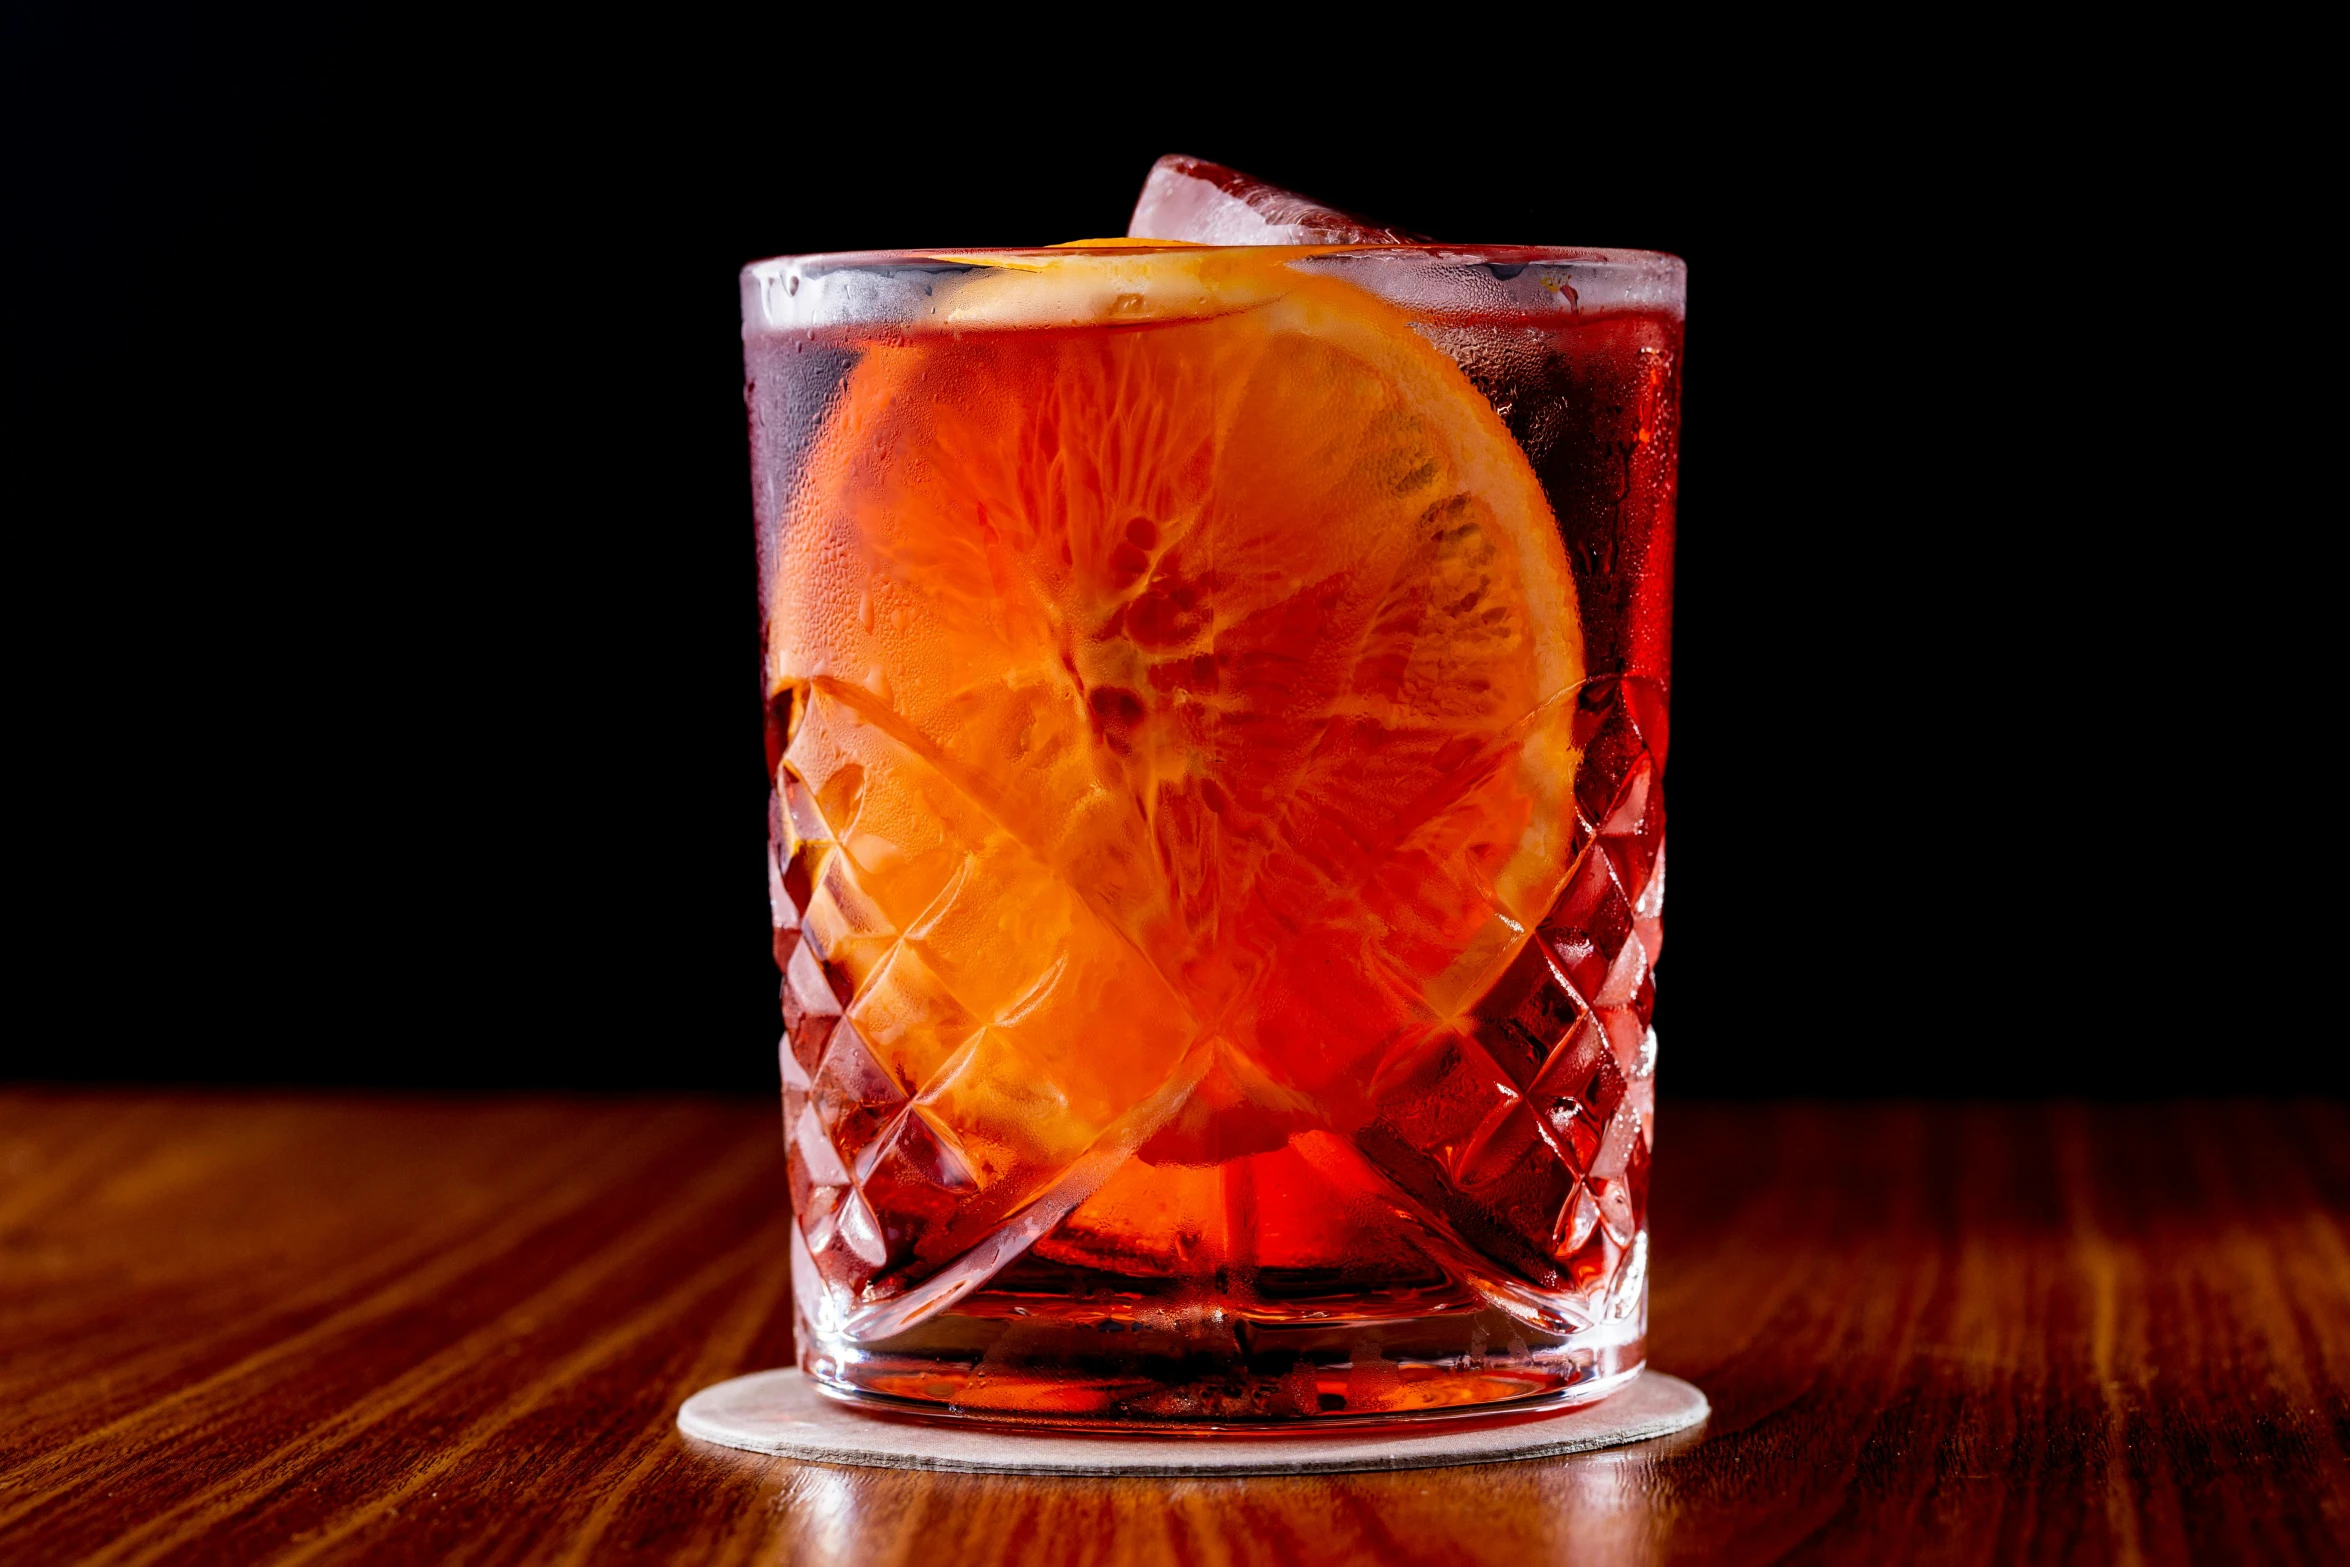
{"type": "Point", "coordinates": [1216, 708]}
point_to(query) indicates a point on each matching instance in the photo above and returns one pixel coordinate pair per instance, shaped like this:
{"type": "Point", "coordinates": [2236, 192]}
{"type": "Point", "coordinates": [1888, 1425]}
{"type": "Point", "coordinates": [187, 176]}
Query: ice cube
{"type": "Point", "coordinates": [1208, 204]}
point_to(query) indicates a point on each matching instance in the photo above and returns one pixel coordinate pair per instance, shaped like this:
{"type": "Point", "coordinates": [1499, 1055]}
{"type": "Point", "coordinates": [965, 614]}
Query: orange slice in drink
{"type": "Point", "coordinates": [1181, 655]}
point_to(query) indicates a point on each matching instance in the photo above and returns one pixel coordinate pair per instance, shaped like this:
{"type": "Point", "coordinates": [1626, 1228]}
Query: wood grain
{"type": "Point", "coordinates": [297, 1330]}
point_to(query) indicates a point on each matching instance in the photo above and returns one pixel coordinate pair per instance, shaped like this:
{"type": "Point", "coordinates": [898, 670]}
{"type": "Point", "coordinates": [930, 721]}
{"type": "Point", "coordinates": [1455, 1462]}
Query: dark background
{"type": "Point", "coordinates": [381, 576]}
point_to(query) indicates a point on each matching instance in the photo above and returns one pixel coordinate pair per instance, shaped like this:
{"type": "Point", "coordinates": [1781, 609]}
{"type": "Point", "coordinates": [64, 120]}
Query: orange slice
{"type": "Point", "coordinates": [1186, 689]}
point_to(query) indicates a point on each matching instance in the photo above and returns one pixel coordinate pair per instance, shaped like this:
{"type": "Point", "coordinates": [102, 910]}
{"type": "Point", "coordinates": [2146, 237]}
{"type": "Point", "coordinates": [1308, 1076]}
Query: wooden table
{"type": "Point", "coordinates": [253, 1329]}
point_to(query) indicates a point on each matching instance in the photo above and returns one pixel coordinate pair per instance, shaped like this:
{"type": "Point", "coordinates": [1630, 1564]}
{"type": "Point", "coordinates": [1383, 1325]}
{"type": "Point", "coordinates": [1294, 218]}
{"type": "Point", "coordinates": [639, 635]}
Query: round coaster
{"type": "Point", "coordinates": [781, 1412]}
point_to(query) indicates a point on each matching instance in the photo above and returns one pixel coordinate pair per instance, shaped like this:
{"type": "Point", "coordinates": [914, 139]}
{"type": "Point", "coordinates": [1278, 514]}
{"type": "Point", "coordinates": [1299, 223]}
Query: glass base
{"type": "Point", "coordinates": [1207, 1371]}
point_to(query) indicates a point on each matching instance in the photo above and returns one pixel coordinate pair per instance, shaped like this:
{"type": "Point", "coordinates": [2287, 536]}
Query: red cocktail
{"type": "Point", "coordinates": [1217, 699]}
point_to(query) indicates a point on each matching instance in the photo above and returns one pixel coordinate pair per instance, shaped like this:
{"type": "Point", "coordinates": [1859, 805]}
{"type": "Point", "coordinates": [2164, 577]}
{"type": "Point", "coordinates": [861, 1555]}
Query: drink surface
{"type": "Point", "coordinates": [1216, 722]}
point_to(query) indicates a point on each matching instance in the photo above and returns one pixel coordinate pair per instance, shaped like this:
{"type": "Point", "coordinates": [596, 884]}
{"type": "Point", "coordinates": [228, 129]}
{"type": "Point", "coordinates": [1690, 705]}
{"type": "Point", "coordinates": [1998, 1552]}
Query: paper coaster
{"type": "Point", "coordinates": [781, 1412]}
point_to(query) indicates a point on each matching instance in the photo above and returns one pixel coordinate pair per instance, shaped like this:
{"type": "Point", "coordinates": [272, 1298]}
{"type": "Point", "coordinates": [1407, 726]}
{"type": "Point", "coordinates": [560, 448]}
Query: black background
{"type": "Point", "coordinates": [381, 564]}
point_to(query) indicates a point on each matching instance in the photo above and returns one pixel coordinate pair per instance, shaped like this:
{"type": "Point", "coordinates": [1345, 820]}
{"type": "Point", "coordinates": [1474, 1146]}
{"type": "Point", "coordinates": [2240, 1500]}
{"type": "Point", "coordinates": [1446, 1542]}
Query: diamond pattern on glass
{"type": "Point", "coordinates": [1521, 1126]}
{"type": "Point", "coordinates": [923, 1110]}
{"type": "Point", "coordinates": [1526, 1126]}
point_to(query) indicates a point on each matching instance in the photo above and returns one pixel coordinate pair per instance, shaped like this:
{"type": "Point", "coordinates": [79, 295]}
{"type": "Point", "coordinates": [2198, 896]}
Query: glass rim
{"type": "Point", "coordinates": [1427, 250]}
{"type": "Point", "coordinates": [876, 287]}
